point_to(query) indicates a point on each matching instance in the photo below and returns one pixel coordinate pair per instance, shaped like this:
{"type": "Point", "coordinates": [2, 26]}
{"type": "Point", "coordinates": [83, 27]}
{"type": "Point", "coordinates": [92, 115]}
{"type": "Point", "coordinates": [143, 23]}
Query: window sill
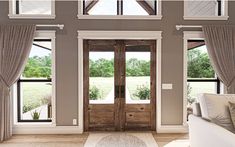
{"type": "Point", "coordinates": [35, 128]}
{"type": "Point", "coordinates": [206, 17]}
{"type": "Point", "coordinates": [130, 17]}
{"type": "Point", "coordinates": [28, 16]}
{"type": "Point", "coordinates": [34, 124]}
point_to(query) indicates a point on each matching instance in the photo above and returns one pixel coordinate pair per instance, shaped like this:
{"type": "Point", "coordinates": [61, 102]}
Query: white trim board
{"type": "Point", "coordinates": [173, 129]}
{"type": "Point", "coordinates": [46, 130]}
{"type": "Point", "coordinates": [195, 35]}
{"type": "Point", "coordinates": [148, 35]}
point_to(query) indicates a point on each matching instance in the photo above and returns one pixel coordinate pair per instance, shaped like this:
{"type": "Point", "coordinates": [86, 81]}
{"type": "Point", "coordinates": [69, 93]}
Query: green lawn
{"type": "Point", "coordinates": [104, 84]}
{"type": "Point", "coordinates": [107, 84]}
{"type": "Point", "coordinates": [201, 87]}
{"type": "Point", "coordinates": [133, 83]}
{"type": "Point", "coordinates": [34, 94]}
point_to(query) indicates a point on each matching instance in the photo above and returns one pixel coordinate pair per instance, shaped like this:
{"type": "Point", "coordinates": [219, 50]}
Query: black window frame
{"type": "Point", "coordinates": [19, 92]}
{"type": "Point", "coordinates": [215, 80]}
{"type": "Point", "coordinates": [17, 7]}
{"type": "Point", "coordinates": [219, 7]}
{"type": "Point", "coordinates": [119, 8]}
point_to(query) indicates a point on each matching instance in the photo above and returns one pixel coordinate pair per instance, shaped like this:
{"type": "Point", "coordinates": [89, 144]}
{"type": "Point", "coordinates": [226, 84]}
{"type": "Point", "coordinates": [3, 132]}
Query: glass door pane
{"type": "Point", "coordinates": [138, 77]}
{"type": "Point", "coordinates": [101, 79]}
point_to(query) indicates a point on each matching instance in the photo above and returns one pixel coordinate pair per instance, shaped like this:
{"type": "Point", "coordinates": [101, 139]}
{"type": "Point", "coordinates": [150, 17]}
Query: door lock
{"type": "Point", "coordinates": [122, 91]}
{"type": "Point", "coordinates": [119, 91]}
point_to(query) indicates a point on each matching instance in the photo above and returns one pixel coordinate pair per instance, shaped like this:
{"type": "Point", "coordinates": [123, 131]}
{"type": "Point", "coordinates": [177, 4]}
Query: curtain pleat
{"type": "Point", "coordinates": [15, 44]}
{"type": "Point", "coordinates": [220, 44]}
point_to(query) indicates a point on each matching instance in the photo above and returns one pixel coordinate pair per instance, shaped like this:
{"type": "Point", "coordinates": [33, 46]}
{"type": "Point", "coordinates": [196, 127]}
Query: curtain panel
{"type": "Point", "coordinates": [220, 44]}
{"type": "Point", "coordinates": [15, 44]}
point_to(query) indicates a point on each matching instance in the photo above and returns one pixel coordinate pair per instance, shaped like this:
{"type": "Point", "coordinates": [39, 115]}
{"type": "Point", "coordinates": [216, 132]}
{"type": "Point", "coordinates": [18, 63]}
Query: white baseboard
{"type": "Point", "coordinates": [47, 130]}
{"type": "Point", "coordinates": [172, 129]}
{"type": "Point", "coordinates": [78, 130]}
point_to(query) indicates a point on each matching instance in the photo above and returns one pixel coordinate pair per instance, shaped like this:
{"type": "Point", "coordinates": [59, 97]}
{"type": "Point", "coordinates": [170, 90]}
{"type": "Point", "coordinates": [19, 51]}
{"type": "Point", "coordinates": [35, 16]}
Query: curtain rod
{"type": "Point", "coordinates": [178, 27]}
{"type": "Point", "coordinates": [60, 26]}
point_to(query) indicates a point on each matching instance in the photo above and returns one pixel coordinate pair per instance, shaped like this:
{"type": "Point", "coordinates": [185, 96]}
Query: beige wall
{"type": "Point", "coordinates": [66, 53]}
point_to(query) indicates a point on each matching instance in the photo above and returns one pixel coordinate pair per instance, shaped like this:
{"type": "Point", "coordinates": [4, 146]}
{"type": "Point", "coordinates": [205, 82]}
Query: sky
{"type": "Point", "coordinates": [130, 7]}
{"type": "Point", "coordinates": [37, 51]}
{"type": "Point", "coordinates": [202, 49]}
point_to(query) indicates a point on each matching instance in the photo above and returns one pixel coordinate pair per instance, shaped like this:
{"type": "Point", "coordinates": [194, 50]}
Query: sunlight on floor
{"type": "Point", "coordinates": [176, 143]}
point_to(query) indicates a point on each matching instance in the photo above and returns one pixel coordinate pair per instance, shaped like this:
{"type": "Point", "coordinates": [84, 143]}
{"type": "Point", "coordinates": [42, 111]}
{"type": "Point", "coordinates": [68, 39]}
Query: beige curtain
{"type": "Point", "coordinates": [220, 44]}
{"type": "Point", "coordinates": [15, 45]}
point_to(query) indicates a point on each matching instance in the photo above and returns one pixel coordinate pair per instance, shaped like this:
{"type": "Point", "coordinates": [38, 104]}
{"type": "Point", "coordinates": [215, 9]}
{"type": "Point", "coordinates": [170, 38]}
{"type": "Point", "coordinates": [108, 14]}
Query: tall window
{"type": "Point", "coordinates": [35, 96]}
{"type": "Point", "coordinates": [32, 9]}
{"type": "Point", "coordinates": [201, 77]}
{"type": "Point", "coordinates": [199, 9]}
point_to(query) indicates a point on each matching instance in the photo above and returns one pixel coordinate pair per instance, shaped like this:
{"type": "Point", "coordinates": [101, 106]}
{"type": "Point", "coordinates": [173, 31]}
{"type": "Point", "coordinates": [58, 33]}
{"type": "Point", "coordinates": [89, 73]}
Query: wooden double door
{"type": "Point", "coordinates": [119, 85]}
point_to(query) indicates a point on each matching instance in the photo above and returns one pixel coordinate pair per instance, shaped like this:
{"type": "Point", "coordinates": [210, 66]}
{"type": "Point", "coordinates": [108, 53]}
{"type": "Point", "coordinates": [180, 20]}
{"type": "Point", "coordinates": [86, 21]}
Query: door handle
{"type": "Point", "coordinates": [116, 91]}
{"type": "Point", "coordinates": [122, 91]}
{"type": "Point", "coordinates": [119, 91]}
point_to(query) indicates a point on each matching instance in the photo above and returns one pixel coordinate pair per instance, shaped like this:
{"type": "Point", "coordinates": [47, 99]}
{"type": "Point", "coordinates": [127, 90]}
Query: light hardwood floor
{"type": "Point", "coordinates": [163, 140]}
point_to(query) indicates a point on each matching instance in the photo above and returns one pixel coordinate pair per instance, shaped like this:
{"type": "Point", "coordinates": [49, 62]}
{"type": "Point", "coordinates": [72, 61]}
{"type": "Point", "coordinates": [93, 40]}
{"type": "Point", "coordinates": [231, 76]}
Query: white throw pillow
{"type": "Point", "coordinates": [196, 109]}
{"type": "Point", "coordinates": [214, 107]}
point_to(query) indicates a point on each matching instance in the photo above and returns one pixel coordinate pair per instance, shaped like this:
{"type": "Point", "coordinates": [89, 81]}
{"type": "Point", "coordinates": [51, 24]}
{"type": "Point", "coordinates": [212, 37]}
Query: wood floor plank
{"type": "Point", "coordinates": [163, 140]}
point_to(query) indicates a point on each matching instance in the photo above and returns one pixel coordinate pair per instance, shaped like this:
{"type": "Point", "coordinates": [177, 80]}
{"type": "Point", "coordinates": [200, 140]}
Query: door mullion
{"type": "Point", "coordinates": [86, 83]}
{"type": "Point", "coordinates": [153, 85]}
{"type": "Point", "coordinates": [117, 86]}
{"type": "Point", "coordinates": [122, 85]}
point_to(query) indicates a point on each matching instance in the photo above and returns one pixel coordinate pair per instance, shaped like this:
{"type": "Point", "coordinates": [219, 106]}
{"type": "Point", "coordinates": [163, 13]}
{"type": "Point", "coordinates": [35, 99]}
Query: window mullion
{"type": "Point", "coordinates": [218, 86]}
{"type": "Point", "coordinates": [219, 7]}
{"type": "Point", "coordinates": [155, 7]}
{"type": "Point", "coordinates": [18, 101]}
{"type": "Point", "coordinates": [17, 7]}
{"type": "Point", "coordinates": [34, 80]}
{"type": "Point", "coordinates": [119, 7]}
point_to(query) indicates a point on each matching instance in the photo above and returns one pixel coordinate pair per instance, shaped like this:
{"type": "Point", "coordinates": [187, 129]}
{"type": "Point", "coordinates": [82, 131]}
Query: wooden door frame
{"type": "Point", "coordinates": [119, 35]}
{"type": "Point", "coordinates": [119, 108]}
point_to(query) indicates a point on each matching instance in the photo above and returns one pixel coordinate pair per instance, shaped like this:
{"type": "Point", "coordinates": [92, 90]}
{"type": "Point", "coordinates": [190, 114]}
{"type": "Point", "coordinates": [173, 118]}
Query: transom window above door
{"type": "Point", "coordinates": [119, 9]}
